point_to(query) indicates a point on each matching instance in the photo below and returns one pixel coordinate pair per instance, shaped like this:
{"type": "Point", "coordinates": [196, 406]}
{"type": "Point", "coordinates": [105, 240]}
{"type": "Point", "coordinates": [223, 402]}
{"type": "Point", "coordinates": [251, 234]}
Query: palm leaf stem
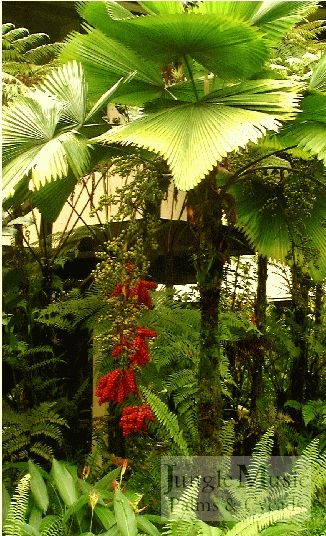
{"type": "Point", "coordinates": [234, 177]}
{"type": "Point", "coordinates": [191, 77]}
{"type": "Point", "coordinates": [66, 236]}
{"type": "Point", "coordinates": [38, 259]}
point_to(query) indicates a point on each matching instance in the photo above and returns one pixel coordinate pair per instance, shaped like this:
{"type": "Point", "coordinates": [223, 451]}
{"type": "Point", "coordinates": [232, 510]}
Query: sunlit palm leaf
{"type": "Point", "coordinates": [162, 8]}
{"type": "Point", "coordinates": [51, 198]}
{"type": "Point", "coordinates": [269, 228]}
{"type": "Point", "coordinates": [105, 61]}
{"type": "Point", "coordinates": [68, 149]}
{"type": "Point", "coordinates": [230, 48]}
{"type": "Point", "coordinates": [194, 137]}
{"type": "Point", "coordinates": [29, 121]}
{"type": "Point", "coordinates": [277, 17]}
{"type": "Point", "coordinates": [318, 78]}
{"type": "Point", "coordinates": [31, 141]}
{"type": "Point", "coordinates": [277, 97]}
{"type": "Point", "coordinates": [308, 131]}
{"type": "Point", "coordinates": [68, 84]}
{"type": "Point", "coordinates": [311, 136]}
{"type": "Point", "coordinates": [239, 10]}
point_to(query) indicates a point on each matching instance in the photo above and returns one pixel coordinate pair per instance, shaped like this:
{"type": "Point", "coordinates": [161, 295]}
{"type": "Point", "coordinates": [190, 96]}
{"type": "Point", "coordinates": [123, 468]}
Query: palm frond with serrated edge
{"type": "Point", "coordinates": [212, 127]}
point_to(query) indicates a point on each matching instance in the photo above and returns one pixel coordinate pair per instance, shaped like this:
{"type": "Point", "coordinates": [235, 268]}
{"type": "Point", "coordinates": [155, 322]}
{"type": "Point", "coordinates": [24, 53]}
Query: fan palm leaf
{"type": "Point", "coordinates": [104, 61]}
{"type": "Point", "coordinates": [230, 48]}
{"type": "Point", "coordinates": [193, 137]}
{"type": "Point", "coordinates": [270, 229]}
{"type": "Point", "coordinates": [41, 132]}
{"type": "Point", "coordinates": [68, 85]}
{"type": "Point", "coordinates": [277, 17]}
{"type": "Point", "coordinates": [318, 78]}
{"type": "Point", "coordinates": [308, 131]}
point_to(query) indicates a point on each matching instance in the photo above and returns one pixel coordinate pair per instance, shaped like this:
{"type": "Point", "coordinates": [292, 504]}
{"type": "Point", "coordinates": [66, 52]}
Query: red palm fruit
{"type": "Point", "coordinates": [145, 332]}
{"type": "Point", "coordinates": [116, 350]}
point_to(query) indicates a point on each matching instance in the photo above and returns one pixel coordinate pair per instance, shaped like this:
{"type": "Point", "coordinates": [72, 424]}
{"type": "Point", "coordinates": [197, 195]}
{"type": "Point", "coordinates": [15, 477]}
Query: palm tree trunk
{"type": "Point", "coordinates": [258, 354]}
{"type": "Point", "coordinates": [299, 370]}
{"type": "Point", "coordinates": [206, 212]}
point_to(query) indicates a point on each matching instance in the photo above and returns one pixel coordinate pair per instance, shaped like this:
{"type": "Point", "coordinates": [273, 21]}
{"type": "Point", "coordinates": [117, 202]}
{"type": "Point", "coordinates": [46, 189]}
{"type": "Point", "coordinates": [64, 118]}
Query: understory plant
{"type": "Point", "coordinates": [60, 502]}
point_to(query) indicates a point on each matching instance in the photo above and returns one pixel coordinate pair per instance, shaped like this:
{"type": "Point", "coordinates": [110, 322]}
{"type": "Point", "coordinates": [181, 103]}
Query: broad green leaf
{"type": "Point", "coordinates": [35, 518]}
{"type": "Point", "coordinates": [74, 508]}
{"type": "Point", "coordinates": [209, 129]}
{"type": "Point", "coordinates": [38, 487]}
{"type": "Point", "coordinates": [105, 515]}
{"type": "Point", "coordinates": [28, 529]}
{"type": "Point", "coordinates": [125, 516]}
{"type": "Point", "coordinates": [5, 502]}
{"type": "Point", "coordinates": [146, 526]}
{"type": "Point", "coordinates": [113, 531]}
{"type": "Point", "coordinates": [106, 481]}
{"type": "Point", "coordinates": [64, 483]}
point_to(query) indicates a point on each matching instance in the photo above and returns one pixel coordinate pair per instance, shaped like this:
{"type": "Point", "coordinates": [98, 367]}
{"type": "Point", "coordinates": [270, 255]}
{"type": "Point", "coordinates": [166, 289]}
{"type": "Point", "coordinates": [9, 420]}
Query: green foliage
{"type": "Point", "coordinates": [31, 433]}
{"type": "Point", "coordinates": [26, 59]}
{"type": "Point", "coordinates": [192, 90]}
{"type": "Point", "coordinates": [15, 519]}
{"type": "Point", "coordinates": [72, 504]}
{"type": "Point", "coordinates": [168, 421]}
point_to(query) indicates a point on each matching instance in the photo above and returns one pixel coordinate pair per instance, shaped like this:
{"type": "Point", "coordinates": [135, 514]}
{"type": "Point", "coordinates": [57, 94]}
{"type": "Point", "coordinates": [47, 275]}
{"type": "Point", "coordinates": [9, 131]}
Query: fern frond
{"type": "Point", "coordinates": [42, 450]}
{"type": "Point", "coordinates": [226, 438]}
{"type": "Point", "coordinates": [18, 507]}
{"type": "Point", "coordinates": [253, 525]}
{"type": "Point", "coordinates": [23, 433]}
{"type": "Point", "coordinates": [166, 419]}
{"type": "Point", "coordinates": [265, 445]}
{"type": "Point", "coordinates": [52, 525]}
{"type": "Point", "coordinates": [317, 462]}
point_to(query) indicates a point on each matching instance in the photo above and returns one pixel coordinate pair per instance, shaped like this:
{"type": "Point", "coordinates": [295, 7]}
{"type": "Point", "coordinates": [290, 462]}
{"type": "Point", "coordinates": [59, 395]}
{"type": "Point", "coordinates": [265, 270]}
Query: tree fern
{"type": "Point", "coordinates": [167, 420]}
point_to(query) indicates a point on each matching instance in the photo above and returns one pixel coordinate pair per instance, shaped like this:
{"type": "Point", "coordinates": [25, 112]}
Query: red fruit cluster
{"type": "Point", "coordinates": [116, 386]}
{"type": "Point", "coordinates": [133, 419]}
{"type": "Point", "coordinates": [121, 289]}
{"type": "Point", "coordinates": [120, 383]}
{"type": "Point", "coordinates": [140, 291]}
{"type": "Point", "coordinates": [140, 355]}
